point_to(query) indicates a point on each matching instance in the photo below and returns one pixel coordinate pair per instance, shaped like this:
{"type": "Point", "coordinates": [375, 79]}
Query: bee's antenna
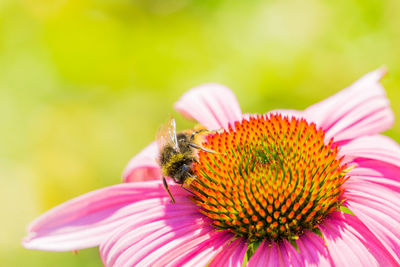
{"type": "Point", "coordinates": [203, 130]}
{"type": "Point", "coordinates": [196, 132]}
{"type": "Point", "coordinates": [166, 188]}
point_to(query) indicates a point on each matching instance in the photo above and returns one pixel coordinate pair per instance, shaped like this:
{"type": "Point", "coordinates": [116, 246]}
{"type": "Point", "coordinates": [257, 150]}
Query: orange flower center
{"type": "Point", "coordinates": [272, 178]}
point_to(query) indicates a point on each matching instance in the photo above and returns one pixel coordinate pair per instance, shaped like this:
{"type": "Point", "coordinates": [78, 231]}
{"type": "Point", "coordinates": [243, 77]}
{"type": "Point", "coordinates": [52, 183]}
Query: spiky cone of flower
{"type": "Point", "coordinates": [318, 187]}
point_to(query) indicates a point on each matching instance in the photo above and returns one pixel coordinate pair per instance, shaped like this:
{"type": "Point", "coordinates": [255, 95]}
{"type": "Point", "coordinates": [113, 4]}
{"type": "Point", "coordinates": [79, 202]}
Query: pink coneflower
{"type": "Point", "coordinates": [318, 187]}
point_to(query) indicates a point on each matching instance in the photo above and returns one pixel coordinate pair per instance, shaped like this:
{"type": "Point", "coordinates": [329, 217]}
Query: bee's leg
{"type": "Point", "coordinates": [192, 144]}
{"type": "Point", "coordinates": [202, 148]}
{"type": "Point", "coordinates": [187, 189]}
{"type": "Point", "coordinates": [166, 188]}
{"type": "Point", "coordinates": [183, 177]}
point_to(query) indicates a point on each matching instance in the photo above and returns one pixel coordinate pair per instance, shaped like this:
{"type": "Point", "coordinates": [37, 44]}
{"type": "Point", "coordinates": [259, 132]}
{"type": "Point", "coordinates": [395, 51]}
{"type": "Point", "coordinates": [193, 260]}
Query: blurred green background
{"type": "Point", "coordinates": [84, 84]}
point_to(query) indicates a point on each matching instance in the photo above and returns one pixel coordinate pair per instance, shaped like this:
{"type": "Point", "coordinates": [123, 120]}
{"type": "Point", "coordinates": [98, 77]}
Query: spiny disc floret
{"type": "Point", "coordinates": [271, 179]}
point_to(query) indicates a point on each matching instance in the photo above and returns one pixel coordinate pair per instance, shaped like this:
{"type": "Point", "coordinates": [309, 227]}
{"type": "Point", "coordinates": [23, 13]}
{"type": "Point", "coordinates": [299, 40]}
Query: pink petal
{"type": "Point", "coordinates": [276, 254]}
{"type": "Point", "coordinates": [232, 255]}
{"type": "Point", "coordinates": [291, 257]}
{"type": "Point", "coordinates": [377, 172]}
{"type": "Point", "coordinates": [313, 250]}
{"type": "Point", "coordinates": [175, 240]}
{"type": "Point", "coordinates": [259, 256]}
{"type": "Point", "coordinates": [143, 166]}
{"type": "Point", "coordinates": [360, 109]}
{"type": "Point", "coordinates": [158, 220]}
{"type": "Point", "coordinates": [379, 209]}
{"type": "Point", "coordinates": [377, 147]}
{"type": "Point", "coordinates": [351, 244]}
{"type": "Point", "coordinates": [201, 254]}
{"type": "Point", "coordinates": [137, 246]}
{"type": "Point", "coordinates": [87, 220]}
{"type": "Point", "coordinates": [212, 105]}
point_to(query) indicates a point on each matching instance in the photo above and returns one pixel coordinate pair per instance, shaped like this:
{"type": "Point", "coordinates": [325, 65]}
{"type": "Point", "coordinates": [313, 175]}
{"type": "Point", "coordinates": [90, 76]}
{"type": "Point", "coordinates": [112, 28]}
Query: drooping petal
{"type": "Point", "coordinates": [291, 257]}
{"type": "Point", "coordinates": [276, 254]}
{"type": "Point", "coordinates": [360, 109]}
{"type": "Point", "coordinates": [313, 250]}
{"type": "Point", "coordinates": [87, 220]}
{"type": "Point", "coordinates": [377, 147]}
{"type": "Point", "coordinates": [143, 166]}
{"type": "Point", "coordinates": [157, 218]}
{"type": "Point", "coordinates": [136, 246]}
{"type": "Point", "coordinates": [200, 252]}
{"type": "Point", "coordinates": [376, 172]}
{"type": "Point", "coordinates": [232, 255]}
{"type": "Point", "coordinates": [351, 244]}
{"type": "Point", "coordinates": [212, 105]}
{"type": "Point", "coordinates": [379, 209]}
{"type": "Point", "coordinates": [258, 258]}
{"type": "Point", "coordinates": [174, 240]}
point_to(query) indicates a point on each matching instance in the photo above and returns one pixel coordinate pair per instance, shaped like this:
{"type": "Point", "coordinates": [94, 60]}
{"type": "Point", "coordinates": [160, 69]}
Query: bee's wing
{"type": "Point", "coordinates": [167, 135]}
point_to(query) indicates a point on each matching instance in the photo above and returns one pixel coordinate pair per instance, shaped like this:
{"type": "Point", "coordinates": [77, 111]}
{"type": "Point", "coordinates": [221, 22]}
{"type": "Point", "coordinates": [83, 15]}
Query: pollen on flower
{"type": "Point", "coordinates": [272, 178]}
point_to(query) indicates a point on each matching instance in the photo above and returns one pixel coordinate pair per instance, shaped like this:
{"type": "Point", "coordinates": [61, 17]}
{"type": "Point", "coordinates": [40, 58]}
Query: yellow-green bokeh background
{"type": "Point", "coordinates": [84, 84]}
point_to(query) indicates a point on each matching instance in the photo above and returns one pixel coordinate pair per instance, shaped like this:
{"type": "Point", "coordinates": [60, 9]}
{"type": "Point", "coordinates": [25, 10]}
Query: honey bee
{"type": "Point", "coordinates": [178, 153]}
